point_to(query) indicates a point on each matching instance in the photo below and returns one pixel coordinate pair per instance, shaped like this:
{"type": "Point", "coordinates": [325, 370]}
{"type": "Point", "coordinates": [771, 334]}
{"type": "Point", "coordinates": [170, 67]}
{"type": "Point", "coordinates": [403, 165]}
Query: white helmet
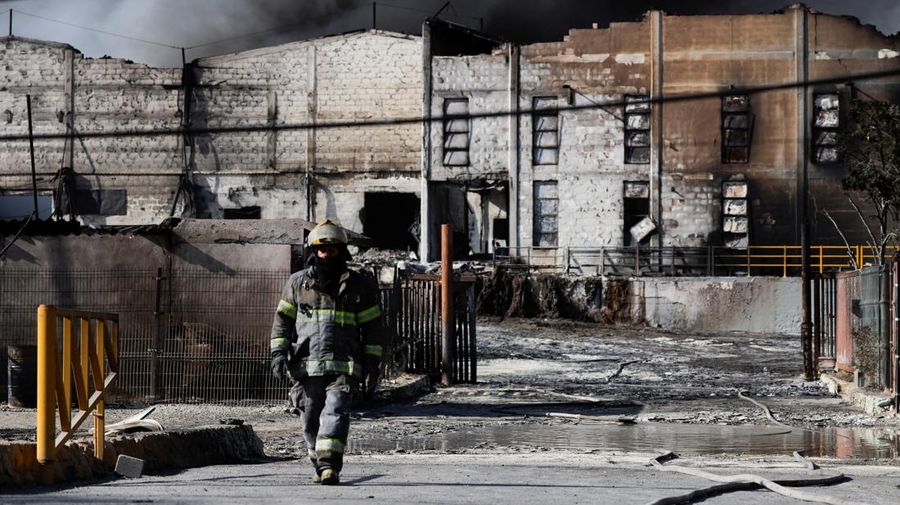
{"type": "Point", "coordinates": [327, 233]}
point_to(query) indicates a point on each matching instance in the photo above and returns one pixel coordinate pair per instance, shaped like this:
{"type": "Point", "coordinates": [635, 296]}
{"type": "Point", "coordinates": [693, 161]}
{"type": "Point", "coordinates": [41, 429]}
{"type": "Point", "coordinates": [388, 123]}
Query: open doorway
{"type": "Point", "coordinates": [391, 220]}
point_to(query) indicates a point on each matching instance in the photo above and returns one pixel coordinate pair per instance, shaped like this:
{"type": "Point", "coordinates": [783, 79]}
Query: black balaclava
{"type": "Point", "coordinates": [329, 270]}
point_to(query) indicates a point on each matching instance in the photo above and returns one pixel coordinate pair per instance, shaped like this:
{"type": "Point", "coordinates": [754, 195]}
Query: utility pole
{"type": "Point", "coordinates": [801, 30]}
{"type": "Point", "coordinates": [374, 15]}
{"type": "Point", "coordinates": [31, 148]}
{"type": "Point", "coordinates": [10, 22]}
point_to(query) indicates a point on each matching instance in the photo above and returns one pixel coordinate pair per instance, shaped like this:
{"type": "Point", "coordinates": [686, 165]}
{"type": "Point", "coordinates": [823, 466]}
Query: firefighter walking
{"type": "Point", "coordinates": [328, 336]}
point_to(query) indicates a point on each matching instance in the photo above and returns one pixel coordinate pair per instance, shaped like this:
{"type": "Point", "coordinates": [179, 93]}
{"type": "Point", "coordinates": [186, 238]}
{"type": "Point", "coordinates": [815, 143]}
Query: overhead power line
{"type": "Point", "coordinates": [750, 90]}
{"type": "Point", "coordinates": [88, 28]}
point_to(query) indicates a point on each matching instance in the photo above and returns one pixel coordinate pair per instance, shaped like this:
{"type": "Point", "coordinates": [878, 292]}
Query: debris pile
{"type": "Point", "coordinates": [511, 293]}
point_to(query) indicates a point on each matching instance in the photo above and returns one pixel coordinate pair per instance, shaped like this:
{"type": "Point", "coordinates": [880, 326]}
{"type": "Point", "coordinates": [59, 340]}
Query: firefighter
{"type": "Point", "coordinates": [327, 336]}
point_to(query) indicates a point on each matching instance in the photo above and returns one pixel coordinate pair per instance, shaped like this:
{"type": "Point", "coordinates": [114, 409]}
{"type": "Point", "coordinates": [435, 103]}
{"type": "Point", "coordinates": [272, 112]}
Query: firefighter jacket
{"type": "Point", "coordinates": [322, 334]}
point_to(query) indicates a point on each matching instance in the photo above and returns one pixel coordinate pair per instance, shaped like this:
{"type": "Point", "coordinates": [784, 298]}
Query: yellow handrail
{"type": "Point", "coordinates": [785, 257]}
{"type": "Point", "coordinates": [96, 349]}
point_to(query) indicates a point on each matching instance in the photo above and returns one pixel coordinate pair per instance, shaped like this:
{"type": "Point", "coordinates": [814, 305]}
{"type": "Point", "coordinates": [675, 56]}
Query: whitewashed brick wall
{"type": "Point", "coordinates": [359, 76]}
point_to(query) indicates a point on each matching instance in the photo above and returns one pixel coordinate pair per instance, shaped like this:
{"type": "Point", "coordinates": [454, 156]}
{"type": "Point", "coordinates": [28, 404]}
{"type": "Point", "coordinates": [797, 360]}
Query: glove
{"type": "Point", "coordinates": [279, 366]}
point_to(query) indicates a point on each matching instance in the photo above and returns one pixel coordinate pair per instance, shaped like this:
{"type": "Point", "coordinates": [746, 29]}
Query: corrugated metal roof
{"type": "Point", "coordinates": [52, 227]}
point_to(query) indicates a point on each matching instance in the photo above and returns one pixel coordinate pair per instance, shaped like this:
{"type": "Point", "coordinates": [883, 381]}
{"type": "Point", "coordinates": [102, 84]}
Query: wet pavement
{"type": "Point", "coordinates": [556, 386]}
{"type": "Point", "coordinates": [692, 439]}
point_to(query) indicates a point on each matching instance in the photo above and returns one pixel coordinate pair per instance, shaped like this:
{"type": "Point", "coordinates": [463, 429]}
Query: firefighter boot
{"type": "Point", "coordinates": [329, 477]}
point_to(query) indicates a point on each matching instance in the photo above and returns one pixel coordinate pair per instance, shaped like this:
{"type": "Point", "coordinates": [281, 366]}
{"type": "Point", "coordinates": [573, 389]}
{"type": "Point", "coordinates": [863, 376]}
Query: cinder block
{"type": "Point", "coordinates": [130, 467]}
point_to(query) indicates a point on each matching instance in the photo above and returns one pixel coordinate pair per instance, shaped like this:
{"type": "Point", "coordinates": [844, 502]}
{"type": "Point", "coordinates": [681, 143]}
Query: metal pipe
{"type": "Point", "coordinates": [46, 384]}
{"type": "Point", "coordinates": [447, 326]}
{"type": "Point", "coordinates": [37, 214]}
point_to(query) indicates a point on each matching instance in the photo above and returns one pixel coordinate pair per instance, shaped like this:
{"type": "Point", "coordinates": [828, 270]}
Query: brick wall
{"type": "Point", "coordinates": [354, 77]}
{"type": "Point", "coordinates": [102, 95]}
{"type": "Point", "coordinates": [700, 54]}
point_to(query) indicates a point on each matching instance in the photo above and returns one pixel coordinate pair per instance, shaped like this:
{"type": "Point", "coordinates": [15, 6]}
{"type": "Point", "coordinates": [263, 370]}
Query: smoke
{"type": "Point", "coordinates": [180, 23]}
{"type": "Point", "coordinates": [548, 20]}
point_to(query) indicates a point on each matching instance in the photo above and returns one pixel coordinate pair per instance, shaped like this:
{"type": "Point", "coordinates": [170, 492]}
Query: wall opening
{"type": "Point", "coordinates": [546, 205]}
{"type": "Point", "coordinates": [98, 202]}
{"type": "Point", "coordinates": [636, 207]}
{"type": "Point", "coordinates": [391, 220]}
{"type": "Point", "coordinates": [18, 207]}
{"type": "Point", "coordinates": [478, 212]}
{"type": "Point", "coordinates": [250, 212]}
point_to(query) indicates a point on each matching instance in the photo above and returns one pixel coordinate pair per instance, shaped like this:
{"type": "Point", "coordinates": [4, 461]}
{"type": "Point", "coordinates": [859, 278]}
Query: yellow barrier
{"type": "Point", "coordinates": [95, 350]}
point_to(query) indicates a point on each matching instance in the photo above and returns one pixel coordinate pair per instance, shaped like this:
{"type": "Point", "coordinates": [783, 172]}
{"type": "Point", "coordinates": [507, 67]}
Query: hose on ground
{"type": "Point", "coordinates": [776, 421]}
{"type": "Point", "coordinates": [743, 482]}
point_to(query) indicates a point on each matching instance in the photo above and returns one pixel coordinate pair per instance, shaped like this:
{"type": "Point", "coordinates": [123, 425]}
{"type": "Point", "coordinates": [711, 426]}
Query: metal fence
{"type": "Point", "coordinates": [773, 260]}
{"type": "Point", "coordinates": [419, 326]}
{"type": "Point", "coordinates": [824, 292]}
{"type": "Point", "coordinates": [200, 336]}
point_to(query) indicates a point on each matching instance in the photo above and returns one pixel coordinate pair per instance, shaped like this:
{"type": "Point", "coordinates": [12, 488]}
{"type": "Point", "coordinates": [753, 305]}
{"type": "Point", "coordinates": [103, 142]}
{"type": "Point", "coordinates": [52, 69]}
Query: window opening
{"type": "Point", "coordinates": [637, 129]}
{"type": "Point", "coordinates": [545, 131]}
{"type": "Point", "coordinates": [737, 128]}
{"type": "Point", "coordinates": [456, 132]}
{"type": "Point", "coordinates": [546, 205]}
{"type": "Point", "coordinates": [826, 111]}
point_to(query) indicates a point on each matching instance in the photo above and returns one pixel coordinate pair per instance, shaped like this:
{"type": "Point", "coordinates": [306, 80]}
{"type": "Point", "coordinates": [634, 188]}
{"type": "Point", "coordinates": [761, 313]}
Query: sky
{"type": "Point", "coordinates": [208, 27]}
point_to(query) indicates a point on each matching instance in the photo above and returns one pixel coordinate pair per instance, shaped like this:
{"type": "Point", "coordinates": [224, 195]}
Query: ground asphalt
{"type": "Point", "coordinates": [451, 479]}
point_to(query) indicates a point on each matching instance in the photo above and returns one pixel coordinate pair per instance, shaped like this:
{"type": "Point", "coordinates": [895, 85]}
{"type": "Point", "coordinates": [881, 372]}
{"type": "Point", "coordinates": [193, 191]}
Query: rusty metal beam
{"type": "Point", "coordinates": [447, 324]}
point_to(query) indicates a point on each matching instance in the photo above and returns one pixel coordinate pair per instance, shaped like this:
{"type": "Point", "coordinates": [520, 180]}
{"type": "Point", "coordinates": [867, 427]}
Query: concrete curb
{"type": "Point", "coordinates": [867, 401]}
{"type": "Point", "coordinates": [161, 450]}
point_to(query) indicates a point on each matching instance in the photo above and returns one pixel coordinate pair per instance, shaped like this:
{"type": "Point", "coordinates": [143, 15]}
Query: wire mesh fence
{"type": "Point", "coordinates": [201, 336]}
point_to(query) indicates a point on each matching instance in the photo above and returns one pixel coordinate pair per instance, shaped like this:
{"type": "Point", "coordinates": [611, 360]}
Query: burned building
{"type": "Point", "coordinates": [601, 136]}
{"type": "Point", "coordinates": [547, 150]}
{"type": "Point", "coordinates": [234, 164]}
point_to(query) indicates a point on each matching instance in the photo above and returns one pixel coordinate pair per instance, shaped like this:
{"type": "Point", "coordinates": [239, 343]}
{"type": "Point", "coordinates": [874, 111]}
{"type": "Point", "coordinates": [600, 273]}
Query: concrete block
{"type": "Point", "coordinates": [127, 466]}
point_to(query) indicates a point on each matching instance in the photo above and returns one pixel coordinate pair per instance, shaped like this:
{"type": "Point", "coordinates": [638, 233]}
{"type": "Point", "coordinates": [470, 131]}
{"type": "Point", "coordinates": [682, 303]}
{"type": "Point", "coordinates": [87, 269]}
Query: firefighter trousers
{"type": "Point", "coordinates": [326, 418]}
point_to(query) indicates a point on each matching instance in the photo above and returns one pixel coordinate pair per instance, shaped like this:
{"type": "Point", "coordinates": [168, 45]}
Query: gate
{"type": "Point", "coordinates": [847, 319]}
{"type": "Point", "coordinates": [824, 308]}
{"type": "Point", "coordinates": [419, 326]}
{"type": "Point", "coordinates": [894, 319]}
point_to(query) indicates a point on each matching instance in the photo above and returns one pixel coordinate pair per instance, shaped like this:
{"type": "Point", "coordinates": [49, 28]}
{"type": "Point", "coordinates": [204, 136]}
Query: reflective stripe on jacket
{"type": "Point", "coordinates": [323, 334]}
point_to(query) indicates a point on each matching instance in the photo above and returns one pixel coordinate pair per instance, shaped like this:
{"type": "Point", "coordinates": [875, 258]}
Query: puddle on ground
{"type": "Point", "coordinates": [698, 439]}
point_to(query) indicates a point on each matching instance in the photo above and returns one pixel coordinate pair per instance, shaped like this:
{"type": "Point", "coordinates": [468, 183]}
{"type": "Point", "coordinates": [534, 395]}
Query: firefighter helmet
{"type": "Point", "coordinates": [327, 233]}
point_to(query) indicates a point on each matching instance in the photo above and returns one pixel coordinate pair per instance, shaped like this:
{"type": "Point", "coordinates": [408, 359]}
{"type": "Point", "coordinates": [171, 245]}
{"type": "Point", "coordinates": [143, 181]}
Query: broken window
{"type": "Point", "coordinates": [251, 212]}
{"type": "Point", "coordinates": [826, 114]}
{"type": "Point", "coordinates": [737, 128]}
{"type": "Point", "coordinates": [636, 207]}
{"type": "Point", "coordinates": [456, 132]}
{"type": "Point", "coordinates": [20, 206]}
{"type": "Point", "coordinates": [391, 220]}
{"type": "Point", "coordinates": [100, 202]}
{"type": "Point", "coordinates": [637, 129]}
{"type": "Point", "coordinates": [735, 214]}
{"type": "Point", "coordinates": [545, 131]}
{"type": "Point", "coordinates": [546, 204]}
